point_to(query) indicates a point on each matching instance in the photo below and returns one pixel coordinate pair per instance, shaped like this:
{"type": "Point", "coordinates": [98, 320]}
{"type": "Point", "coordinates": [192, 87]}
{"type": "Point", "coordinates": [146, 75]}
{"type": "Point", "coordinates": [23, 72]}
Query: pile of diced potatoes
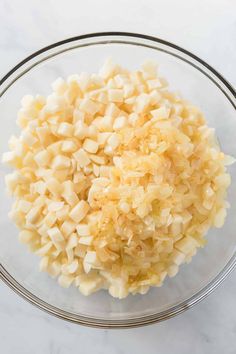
{"type": "Point", "coordinates": [116, 180]}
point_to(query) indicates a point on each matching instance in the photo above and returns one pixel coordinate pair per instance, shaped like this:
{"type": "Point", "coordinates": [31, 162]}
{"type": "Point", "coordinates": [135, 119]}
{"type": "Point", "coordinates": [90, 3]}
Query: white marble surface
{"type": "Point", "coordinates": [206, 27]}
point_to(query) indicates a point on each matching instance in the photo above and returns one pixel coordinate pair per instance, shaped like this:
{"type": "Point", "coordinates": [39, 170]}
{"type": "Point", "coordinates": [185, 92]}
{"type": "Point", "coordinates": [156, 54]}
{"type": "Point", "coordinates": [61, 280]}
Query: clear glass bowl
{"type": "Point", "coordinates": [199, 83]}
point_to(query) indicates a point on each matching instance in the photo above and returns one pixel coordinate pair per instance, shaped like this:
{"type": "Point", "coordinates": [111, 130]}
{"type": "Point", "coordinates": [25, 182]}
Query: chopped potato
{"type": "Point", "coordinates": [117, 180]}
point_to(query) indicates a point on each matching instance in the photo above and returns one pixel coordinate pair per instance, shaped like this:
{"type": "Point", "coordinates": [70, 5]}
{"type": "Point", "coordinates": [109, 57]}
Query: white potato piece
{"type": "Point", "coordinates": [82, 158]}
{"type": "Point", "coordinates": [86, 240]}
{"type": "Point", "coordinates": [83, 229]}
{"type": "Point", "coordinates": [65, 280]}
{"type": "Point", "coordinates": [55, 235]}
{"type": "Point", "coordinates": [25, 236]}
{"type": "Point", "coordinates": [65, 129]}
{"type": "Point", "coordinates": [61, 162]}
{"type": "Point", "coordinates": [90, 285]}
{"type": "Point", "coordinates": [42, 158]}
{"type": "Point", "coordinates": [90, 146]}
{"type": "Point", "coordinates": [79, 211]}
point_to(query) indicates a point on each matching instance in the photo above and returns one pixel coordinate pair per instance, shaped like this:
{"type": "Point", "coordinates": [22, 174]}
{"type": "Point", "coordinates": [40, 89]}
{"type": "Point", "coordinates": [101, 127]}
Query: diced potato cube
{"type": "Point", "coordinates": [108, 69]}
{"type": "Point", "coordinates": [42, 251]}
{"type": "Point", "coordinates": [186, 244]}
{"type": "Point", "coordinates": [178, 257]}
{"type": "Point", "coordinates": [9, 157]}
{"type": "Point", "coordinates": [89, 106]}
{"type": "Point", "coordinates": [72, 241]}
{"type": "Point", "coordinates": [90, 146]}
{"type": "Point", "coordinates": [65, 129]}
{"type": "Point", "coordinates": [79, 211]}
{"type": "Point", "coordinates": [89, 286]}
{"type": "Point", "coordinates": [55, 235]}
{"type": "Point", "coordinates": [81, 130]}
{"type": "Point", "coordinates": [102, 137]}
{"type": "Point", "coordinates": [42, 158]}
{"type": "Point", "coordinates": [43, 265]}
{"type": "Point", "coordinates": [55, 148]}
{"type": "Point", "coordinates": [68, 227]}
{"type": "Point", "coordinates": [60, 162]}
{"type": "Point", "coordinates": [54, 186]}
{"type": "Point", "coordinates": [68, 146]}
{"type": "Point", "coordinates": [55, 206]}
{"type": "Point", "coordinates": [24, 206]}
{"type": "Point", "coordinates": [38, 187]}
{"type": "Point", "coordinates": [33, 215]}
{"type": "Point", "coordinates": [71, 198]}
{"type": "Point", "coordinates": [172, 270]}
{"type": "Point", "coordinates": [82, 157]}
{"type": "Point", "coordinates": [86, 240]}
{"type": "Point", "coordinates": [113, 141]}
{"type": "Point", "coordinates": [28, 138]}
{"type": "Point", "coordinates": [220, 218]}
{"type": "Point", "coordinates": [89, 261]}
{"type": "Point", "coordinates": [54, 269]}
{"type": "Point", "coordinates": [100, 160]}
{"type": "Point", "coordinates": [160, 113]}
{"type": "Point", "coordinates": [115, 95]}
{"type": "Point", "coordinates": [65, 280]}
{"type": "Point", "coordinates": [25, 236]}
{"type": "Point", "coordinates": [83, 229]}
{"type": "Point", "coordinates": [112, 110]}
{"type": "Point", "coordinates": [120, 122]}
{"type": "Point", "coordinates": [50, 219]}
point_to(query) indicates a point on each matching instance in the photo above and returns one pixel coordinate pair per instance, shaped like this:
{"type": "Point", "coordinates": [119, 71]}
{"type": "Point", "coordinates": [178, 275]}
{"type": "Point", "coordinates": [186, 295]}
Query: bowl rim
{"type": "Point", "coordinates": [146, 319]}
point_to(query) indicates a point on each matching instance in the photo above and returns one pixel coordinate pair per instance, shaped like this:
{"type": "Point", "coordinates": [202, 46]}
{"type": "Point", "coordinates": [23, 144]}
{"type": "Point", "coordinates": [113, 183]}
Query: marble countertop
{"type": "Point", "coordinates": [206, 27]}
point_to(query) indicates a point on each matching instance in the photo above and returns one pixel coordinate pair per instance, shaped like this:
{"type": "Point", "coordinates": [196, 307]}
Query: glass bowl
{"type": "Point", "coordinates": [197, 82]}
